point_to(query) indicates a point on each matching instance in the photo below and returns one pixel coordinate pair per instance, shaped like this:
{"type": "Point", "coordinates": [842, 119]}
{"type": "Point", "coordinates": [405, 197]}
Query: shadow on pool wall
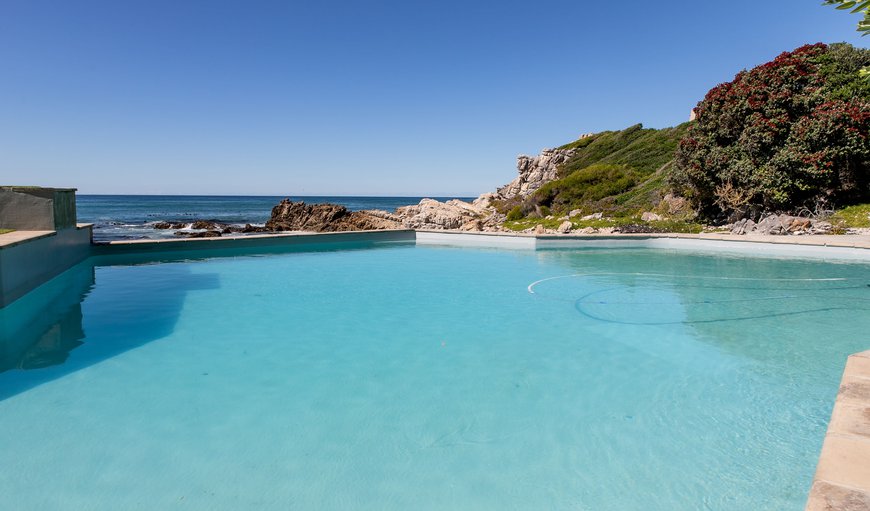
{"type": "Point", "coordinates": [40, 329]}
{"type": "Point", "coordinates": [49, 333]}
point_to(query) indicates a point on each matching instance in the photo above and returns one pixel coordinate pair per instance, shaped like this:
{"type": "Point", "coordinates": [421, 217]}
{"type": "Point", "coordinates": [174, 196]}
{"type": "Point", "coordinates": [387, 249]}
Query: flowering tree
{"type": "Point", "coordinates": [791, 133]}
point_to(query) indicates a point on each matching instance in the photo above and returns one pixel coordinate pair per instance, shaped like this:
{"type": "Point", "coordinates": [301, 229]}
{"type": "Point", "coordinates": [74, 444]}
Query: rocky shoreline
{"type": "Point", "coordinates": [480, 215]}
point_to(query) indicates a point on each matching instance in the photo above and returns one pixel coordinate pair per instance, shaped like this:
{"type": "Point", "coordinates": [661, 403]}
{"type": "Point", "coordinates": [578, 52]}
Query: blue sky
{"type": "Point", "coordinates": [366, 98]}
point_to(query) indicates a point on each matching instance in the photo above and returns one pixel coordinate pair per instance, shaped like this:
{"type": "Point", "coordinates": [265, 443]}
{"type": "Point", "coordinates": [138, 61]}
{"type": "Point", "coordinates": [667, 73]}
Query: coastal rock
{"type": "Point", "coordinates": [587, 230]}
{"type": "Point", "coordinates": [821, 228]}
{"type": "Point", "coordinates": [206, 225]}
{"type": "Point", "coordinates": [800, 225]}
{"type": "Point", "coordinates": [162, 225]}
{"type": "Point", "coordinates": [539, 229]}
{"type": "Point", "coordinates": [594, 216]}
{"type": "Point", "coordinates": [534, 172]}
{"type": "Point", "coordinates": [774, 224]}
{"type": "Point", "coordinates": [649, 216]}
{"type": "Point", "coordinates": [479, 215]}
{"type": "Point", "coordinates": [432, 214]}
{"type": "Point", "coordinates": [742, 226]}
{"type": "Point", "coordinates": [474, 225]}
{"type": "Point", "coordinates": [565, 227]}
{"type": "Point", "coordinates": [769, 225]}
{"type": "Point", "coordinates": [484, 201]}
{"type": "Point", "coordinates": [248, 228]}
{"type": "Point", "coordinates": [200, 234]}
{"type": "Point", "coordinates": [298, 216]}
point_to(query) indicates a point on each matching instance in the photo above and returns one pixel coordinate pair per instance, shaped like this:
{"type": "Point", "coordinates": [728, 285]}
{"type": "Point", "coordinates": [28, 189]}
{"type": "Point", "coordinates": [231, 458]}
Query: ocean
{"type": "Point", "coordinates": [130, 217]}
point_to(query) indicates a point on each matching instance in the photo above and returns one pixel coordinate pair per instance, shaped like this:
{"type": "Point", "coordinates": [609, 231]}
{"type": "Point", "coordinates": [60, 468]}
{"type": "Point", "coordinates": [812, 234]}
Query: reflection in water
{"type": "Point", "coordinates": [750, 307]}
{"type": "Point", "coordinates": [71, 323]}
{"type": "Point", "coordinates": [41, 328]}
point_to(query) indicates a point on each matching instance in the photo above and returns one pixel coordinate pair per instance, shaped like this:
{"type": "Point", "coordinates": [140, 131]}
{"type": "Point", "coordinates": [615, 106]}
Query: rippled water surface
{"type": "Point", "coordinates": [409, 377]}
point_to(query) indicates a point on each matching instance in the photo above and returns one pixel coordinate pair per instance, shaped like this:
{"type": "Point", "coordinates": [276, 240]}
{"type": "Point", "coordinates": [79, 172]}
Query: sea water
{"type": "Point", "coordinates": [423, 378]}
{"type": "Point", "coordinates": [124, 217]}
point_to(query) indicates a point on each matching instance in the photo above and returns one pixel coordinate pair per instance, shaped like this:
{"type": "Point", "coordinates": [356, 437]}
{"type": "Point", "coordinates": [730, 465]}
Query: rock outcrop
{"type": "Point", "coordinates": [479, 215]}
{"type": "Point", "coordinates": [534, 172]}
{"type": "Point", "coordinates": [432, 214]}
{"type": "Point", "coordinates": [208, 228]}
{"type": "Point", "coordinates": [781, 225]}
{"type": "Point", "coordinates": [298, 216]}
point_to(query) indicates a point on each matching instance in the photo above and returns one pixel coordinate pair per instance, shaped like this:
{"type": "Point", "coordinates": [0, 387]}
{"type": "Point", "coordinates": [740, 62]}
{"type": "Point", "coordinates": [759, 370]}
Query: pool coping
{"type": "Point", "coordinates": [16, 237]}
{"type": "Point", "coordinates": [816, 240]}
{"type": "Point", "coordinates": [845, 247]}
{"type": "Point", "coordinates": [822, 240]}
{"type": "Point", "coordinates": [252, 241]}
{"type": "Point", "coordinates": [842, 479]}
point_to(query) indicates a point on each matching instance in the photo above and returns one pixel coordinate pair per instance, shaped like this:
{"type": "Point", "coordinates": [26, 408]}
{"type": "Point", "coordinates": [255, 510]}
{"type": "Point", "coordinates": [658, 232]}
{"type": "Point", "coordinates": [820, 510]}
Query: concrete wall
{"type": "Point", "coordinates": [253, 244]}
{"type": "Point", "coordinates": [36, 257]}
{"type": "Point", "coordinates": [833, 248]}
{"type": "Point", "coordinates": [37, 209]}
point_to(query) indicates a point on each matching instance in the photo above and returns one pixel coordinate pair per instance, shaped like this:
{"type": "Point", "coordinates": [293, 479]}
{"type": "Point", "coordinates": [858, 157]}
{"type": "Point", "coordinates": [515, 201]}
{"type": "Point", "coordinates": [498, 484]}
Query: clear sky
{"type": "Point", "coordinates": [367, 97]}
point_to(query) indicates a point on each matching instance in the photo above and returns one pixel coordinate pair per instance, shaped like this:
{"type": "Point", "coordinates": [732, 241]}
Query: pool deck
{"type": "Point", "coordinates": [842, 480]}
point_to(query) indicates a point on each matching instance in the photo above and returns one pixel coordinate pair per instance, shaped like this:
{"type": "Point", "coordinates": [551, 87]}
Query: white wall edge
{"type": "Point", "coordinates": [462, 239]}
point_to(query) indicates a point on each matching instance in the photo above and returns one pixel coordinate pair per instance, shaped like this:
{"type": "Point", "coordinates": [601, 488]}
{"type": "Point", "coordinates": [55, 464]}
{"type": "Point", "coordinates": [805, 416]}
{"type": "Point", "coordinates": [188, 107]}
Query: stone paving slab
{"type": "Point", "coordinates": [13, 238]}
{"type": "Point", "coordinates": [842, 480]}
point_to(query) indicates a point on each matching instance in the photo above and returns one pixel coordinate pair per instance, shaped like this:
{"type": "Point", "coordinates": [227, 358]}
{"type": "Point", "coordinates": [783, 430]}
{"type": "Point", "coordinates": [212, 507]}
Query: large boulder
{"type": "Point", "coordinates": [298, 216]}
{"type": "Point", "coordinates": [781, 225]}
{"type": "Point", "coordinates": [432, 214]}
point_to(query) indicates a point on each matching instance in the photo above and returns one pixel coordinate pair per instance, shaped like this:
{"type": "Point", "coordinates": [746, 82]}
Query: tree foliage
{"type": "Point", "coordinates": [791, 133]}
{"type": "Point", "coordinates": [862, 7]}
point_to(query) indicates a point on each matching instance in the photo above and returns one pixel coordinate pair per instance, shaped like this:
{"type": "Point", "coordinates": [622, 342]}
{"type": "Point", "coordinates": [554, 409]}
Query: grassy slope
{"type": "Point", "coordinates": [852, 216]}
{"type": "Point", "coordinates": [621, 173]}
{"type": "Point", "coordinates": [640, 160]}
{"type": "Point", "coordinates": [643, 150]}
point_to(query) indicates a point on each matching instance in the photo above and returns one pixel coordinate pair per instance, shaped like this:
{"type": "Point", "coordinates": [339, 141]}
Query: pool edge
{"type": "Point", "coordinates": [842, 478]}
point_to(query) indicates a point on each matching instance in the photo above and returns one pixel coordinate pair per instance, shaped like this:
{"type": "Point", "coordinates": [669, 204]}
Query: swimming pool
{"type": "Point", "coordinates": [413, 377]}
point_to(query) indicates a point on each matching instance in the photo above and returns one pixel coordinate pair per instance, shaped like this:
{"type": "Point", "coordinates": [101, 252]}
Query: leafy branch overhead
{"type": "Point", "coordinates": [856, 7]}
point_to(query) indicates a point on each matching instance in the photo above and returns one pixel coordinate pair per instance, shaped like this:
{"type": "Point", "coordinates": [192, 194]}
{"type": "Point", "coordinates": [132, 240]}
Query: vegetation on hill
{"type": "Point", "coordinates": [620, 173]}
{"type": "Point", "coordinates": [789, 135]}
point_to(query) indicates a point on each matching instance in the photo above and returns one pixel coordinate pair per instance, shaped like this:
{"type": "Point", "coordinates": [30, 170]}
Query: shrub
{"type": "Point", "coordinates": [586, 186]}
{"type": "Point", "coordinates": [515, 213]}
{"type": "Point", "coordinates": [790, 133]}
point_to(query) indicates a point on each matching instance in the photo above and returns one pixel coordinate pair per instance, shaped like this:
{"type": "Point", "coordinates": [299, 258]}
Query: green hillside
{"type": "Point", "coordinates": [789, 136]}
{"type": "Point", "coordinates": [620, 173]}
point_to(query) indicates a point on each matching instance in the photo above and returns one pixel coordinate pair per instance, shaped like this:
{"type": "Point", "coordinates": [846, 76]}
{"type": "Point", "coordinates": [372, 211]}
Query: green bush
{"type": "Point", "coordinates": [785, 135]}
{"type": "Point", "coordinates": [586, 186]}
{"type": "Point", "coordinates": [515, 213]}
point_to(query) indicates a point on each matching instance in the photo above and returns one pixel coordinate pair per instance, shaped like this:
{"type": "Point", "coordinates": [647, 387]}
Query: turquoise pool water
{"type": "Point", "coordinates": [424, 378]}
